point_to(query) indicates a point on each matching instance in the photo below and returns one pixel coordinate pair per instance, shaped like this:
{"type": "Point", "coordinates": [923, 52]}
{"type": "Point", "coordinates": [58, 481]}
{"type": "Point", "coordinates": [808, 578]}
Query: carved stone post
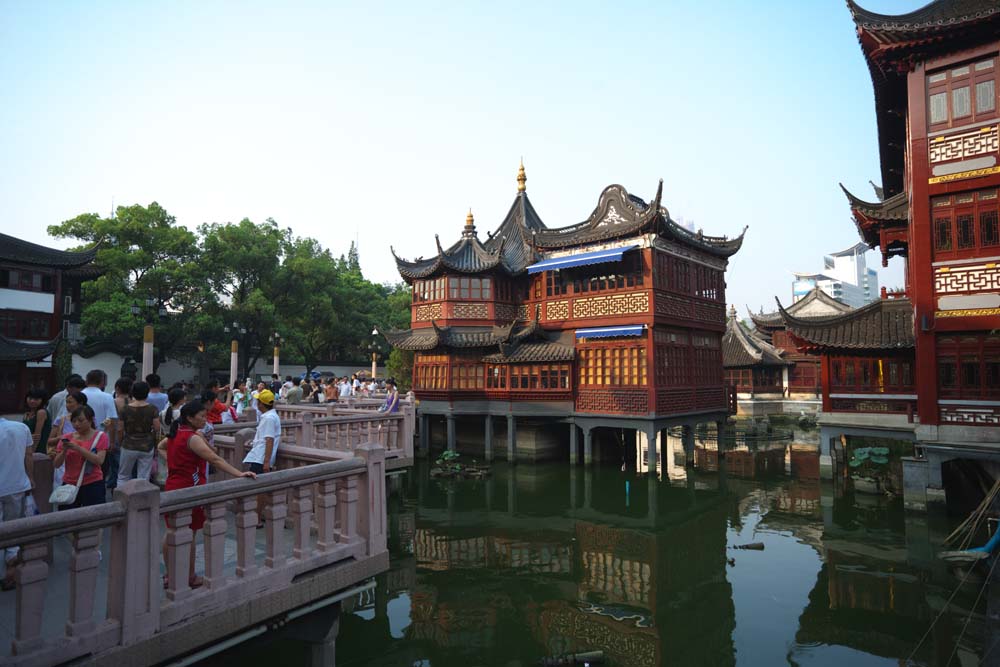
{"type": "Point", "coordinates": [214, 533]}
{"type": "Point", "coordinates": [326, 515]}
{"type": "Point", "coordinates": [275, 514]}
{"type": "Point", "coordinates": [307, 434]}
{"type": "Point", "coordinates": [302, 520]}
{"type": "Point", "coordinates": [372, 512]}
{"type": "Point", "coordinates": [179, 538]}
{"type": "Point", "coordinates": [83, 582]}
{"type": "Point", "coordinates": [246, 536]}
{"type": "Point", "coordinates": [347, 508]}
{"type": "Point", "coordinates": [31, 577]}
{"type": "Point", "coordinates": [134, 590]}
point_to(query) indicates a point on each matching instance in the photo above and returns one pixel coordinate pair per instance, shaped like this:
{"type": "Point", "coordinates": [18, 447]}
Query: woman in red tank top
{"type": "Point", "coordinates": [188, 456]}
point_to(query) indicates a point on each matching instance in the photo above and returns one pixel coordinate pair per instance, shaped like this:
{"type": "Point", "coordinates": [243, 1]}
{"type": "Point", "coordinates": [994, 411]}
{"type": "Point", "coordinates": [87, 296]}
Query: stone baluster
{"type": "Point", "coordinates": [134, 589]}
{"type": "Point", "coordinates": [326, 514]}
{"type": "Point", "coordinates": [274, 515]}
{"type": "Point", "coordinates": [31, 577]}
{"type": "Point", "coordinates": [215, 544]}
{"type": "Point", "coordinates": [372, 517]}
{"type": "Point", "coordinates": [179, 537]}
{"type": "Point", "coordinates": [306, 437]}
{"type": "Point", "coordinates": [246, 536]}
{"type": "Point", "coordinates": [83, 582]}
{"type": "Point", "coordinates": [392, 437]}
{"type": "Point", "coordinates": [302, 510]}
{"type": "Point", "coordinates": [347, 508]}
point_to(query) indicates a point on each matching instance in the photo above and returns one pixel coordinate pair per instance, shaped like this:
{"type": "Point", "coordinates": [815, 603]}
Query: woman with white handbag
{"type": "Point", "coordinates": [82, 453]}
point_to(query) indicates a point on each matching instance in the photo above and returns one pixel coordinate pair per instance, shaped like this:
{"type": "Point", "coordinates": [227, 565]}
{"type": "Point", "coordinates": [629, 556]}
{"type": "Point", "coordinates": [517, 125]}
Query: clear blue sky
{"type": "Point", "coordinates": [386, 122]}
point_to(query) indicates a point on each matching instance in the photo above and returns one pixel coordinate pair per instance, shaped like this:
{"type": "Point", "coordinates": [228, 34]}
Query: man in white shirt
{"type": "Point", "coordinates": [345, 389]}
{"type": "Point", "coordinates": [16, 452]}
{"type": "Point", "coordinates": [103, 404]}
{"type": "Point", "coordinates": [264, 446]}
{"type": "Point", "coordinates": [156, 396]}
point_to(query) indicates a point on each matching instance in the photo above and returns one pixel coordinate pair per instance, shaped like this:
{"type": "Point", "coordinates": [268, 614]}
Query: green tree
{"type": "Point", "coordinates": [241, 262]}
{"type": "Point", "coordinates": [144, 255]}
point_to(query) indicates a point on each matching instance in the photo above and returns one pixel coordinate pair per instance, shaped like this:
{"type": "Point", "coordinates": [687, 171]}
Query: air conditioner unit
{"type": "Point", "coordinates": [67, 305]}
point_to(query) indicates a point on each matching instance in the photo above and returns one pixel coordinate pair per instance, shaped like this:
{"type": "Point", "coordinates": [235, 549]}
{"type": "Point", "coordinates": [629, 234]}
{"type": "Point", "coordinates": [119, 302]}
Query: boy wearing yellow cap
{"type": "Point", "coordinates": [264, 447]}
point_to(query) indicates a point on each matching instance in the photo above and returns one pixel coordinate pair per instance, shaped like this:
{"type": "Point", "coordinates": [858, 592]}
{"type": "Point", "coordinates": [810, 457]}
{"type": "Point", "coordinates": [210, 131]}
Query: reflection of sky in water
{"type": "Point", "coordinates": [399, 616]}
{"type": "Point", "coordinates": [770, 590]}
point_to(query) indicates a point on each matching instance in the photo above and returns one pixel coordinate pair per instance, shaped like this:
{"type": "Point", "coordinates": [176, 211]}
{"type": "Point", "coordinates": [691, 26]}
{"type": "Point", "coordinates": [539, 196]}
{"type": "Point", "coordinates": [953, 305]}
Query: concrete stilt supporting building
{"type": "Point", "coordinates": [451, 433]}
{"type": "Point", "coordinates": [511, 438]}
{"type": "Point", "coordinates": [488, 440]}
{"type": "Point", "coordinates": [650, 434]}
{"type": "Point", "coordinates": [630, 442]}
{"type": "Point", "coordinates": [573, 445]}
{"type": "Point", "coordinates": [588, 489]}
{"type": "Point", "coordinates": [588, 446]}
{"type": "Point", "coordinates": [511, 490]}
{"type": "Point", "coordinates": [425, 435]}
{"type": "Point", "coordinates": [572, 487]}
{"type": "Point", "coordinates": [722, 436]}
{"type": "Point", "coordinates": [652, 510]}
{"type": "Point", "coordinates": [688, 440]}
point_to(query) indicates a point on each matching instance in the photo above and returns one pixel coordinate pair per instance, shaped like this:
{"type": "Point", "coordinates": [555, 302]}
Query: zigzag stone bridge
{"type": "Point", "coordinates": [90, 589]}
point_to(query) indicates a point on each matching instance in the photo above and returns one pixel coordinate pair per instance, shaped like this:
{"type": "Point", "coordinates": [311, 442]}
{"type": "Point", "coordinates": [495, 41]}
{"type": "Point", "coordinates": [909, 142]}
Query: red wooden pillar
{"type": "Point", "coordinates": [825, 382]}
{"type": "Point", "coordinates": [920, 252]}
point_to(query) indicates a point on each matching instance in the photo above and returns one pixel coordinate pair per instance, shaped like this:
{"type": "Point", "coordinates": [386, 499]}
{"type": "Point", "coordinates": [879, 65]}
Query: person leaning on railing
{"type": "Point", "coordinates": [188, 455]}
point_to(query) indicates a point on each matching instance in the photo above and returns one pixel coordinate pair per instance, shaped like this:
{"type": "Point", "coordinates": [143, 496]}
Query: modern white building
{"type": "Point", "coordinates": [845, 277]}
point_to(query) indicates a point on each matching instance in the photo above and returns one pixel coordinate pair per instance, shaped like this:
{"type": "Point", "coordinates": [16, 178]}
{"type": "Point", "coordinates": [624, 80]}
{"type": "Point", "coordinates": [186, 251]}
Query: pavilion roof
{"type": "Point", "coordinates": [815, 304]}
{"type": "Point", "coordinates": [869, 216]}
{"type": "Point", "coordinates": [533, 352]}
{"type": "Point", "coordinates": [21, 350]}
{"type": "Point", "coordinates": [891, 43]}
{"type": "Point", "coordinates": [742, 349]}
{"type": "Point", "coordinates": [13, 249]}
{"type": "Point", "coordinates": [886, 324]}
{"type": "Point", "coordinates": [522, 237]}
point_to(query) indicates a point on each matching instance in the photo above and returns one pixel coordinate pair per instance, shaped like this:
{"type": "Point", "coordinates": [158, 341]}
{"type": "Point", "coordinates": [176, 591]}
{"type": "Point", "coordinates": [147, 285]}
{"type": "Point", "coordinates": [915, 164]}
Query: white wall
{"type": "Point", "coordinates": [35, 302]}
{"type": "Point", "coordinates": [111, 363]}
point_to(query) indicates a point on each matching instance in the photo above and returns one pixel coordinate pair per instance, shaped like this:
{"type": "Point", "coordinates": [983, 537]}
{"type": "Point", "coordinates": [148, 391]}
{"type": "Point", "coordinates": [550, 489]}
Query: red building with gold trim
{"type": "Point", "coordinates": [927, 363]}
{"type": "Point", "coordinates": [613, 322]}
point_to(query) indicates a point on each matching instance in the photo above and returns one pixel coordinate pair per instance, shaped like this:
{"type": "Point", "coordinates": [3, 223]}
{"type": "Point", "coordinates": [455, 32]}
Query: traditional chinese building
{"type": "Point", "coordinates": [39, 305]}
{"type": "Point", "coordinates": [754, 367]}
{"type": "Point", "coordinates": [613, 322]}
{"type": "Point", "coordinates": [934, 72]}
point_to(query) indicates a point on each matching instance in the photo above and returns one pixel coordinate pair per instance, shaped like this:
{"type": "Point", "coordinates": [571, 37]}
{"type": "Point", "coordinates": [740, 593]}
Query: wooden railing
{"type": "Point", "coordinates": [343, 502]}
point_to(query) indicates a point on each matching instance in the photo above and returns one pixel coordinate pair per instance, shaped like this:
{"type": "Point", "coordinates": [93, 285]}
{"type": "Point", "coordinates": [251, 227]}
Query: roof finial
{"type": "Point", "coordinates": [521, 178]}
{"type": "Point", "coordinates": [470, 227]}
{"type": "Point", "coordinates": [732, 312]}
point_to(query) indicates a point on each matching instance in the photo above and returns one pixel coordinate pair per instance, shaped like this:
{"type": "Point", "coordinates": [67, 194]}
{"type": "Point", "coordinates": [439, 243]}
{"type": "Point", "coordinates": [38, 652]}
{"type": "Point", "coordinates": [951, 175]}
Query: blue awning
{"type": "Point", "coordinates": [608, 332]}
{"type": "Point", "coordinates": [583, 259]}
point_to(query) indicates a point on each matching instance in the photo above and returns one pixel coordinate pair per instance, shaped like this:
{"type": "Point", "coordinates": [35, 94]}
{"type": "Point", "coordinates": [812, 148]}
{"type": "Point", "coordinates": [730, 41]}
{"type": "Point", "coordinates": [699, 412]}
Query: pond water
{"type": "Point", "coordinates": [544, 560]}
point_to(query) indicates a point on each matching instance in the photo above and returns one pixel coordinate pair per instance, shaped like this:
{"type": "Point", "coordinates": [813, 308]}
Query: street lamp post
{"type": "Point", "coordinates": [147, 330]}
{"type": "Point", "coordinates": [234, 355]}
{"type": "Point", "coordinates": [277, 340]}
{"type": "Point", "coordinates": [374, 349]}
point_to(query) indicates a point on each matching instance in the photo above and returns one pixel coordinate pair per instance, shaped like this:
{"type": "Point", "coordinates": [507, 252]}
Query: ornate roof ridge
{"type": "Point", "coordinates": [895, 207]}
{"type": "Point", "coordinates": [815, 294]}
{"type": "Point", "coordinates": [886, 324]}
{"type": "Point", "coordinates": [742, 348]}
{"type": "Point", "coordinates": [935, 14]}
{"type": "Point", "coordinates": [25, 252]}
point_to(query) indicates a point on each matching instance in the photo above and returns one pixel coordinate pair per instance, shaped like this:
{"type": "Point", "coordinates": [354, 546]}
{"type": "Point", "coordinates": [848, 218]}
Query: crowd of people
{"type": "Point", "coordinates": [99, 440]}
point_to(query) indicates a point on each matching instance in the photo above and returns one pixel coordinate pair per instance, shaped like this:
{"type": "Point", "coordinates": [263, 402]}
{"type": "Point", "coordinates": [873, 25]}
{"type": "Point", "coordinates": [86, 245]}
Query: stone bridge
{"type": "Point", "coordinates": [91, 590]}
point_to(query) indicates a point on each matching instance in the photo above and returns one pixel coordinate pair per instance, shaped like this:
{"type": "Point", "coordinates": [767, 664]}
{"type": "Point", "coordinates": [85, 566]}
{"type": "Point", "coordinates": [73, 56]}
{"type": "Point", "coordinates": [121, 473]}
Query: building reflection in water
{"type": "Point", "coordinates": [545, 560]}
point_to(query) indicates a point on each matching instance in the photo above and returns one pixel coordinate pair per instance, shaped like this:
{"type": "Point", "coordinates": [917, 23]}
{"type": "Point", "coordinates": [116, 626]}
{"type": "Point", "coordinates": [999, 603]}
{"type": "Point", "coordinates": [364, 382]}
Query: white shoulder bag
{"type": "Point", "coordinates": [65, 494]}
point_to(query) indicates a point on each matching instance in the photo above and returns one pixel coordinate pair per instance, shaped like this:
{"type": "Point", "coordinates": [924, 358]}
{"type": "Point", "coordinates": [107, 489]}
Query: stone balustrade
{"type": "Point", "coordinates": [337, 518]}
{"type": "Point", "coordinates": [337, 428]}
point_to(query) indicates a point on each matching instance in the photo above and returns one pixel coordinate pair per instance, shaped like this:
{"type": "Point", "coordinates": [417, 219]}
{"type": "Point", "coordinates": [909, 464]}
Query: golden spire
{"type": "Point", "coordinates": [521, 178]}
{"type": "Point", "coordinates": [469, 219]}
{"type": "Point", "coordinates": [470, 227]}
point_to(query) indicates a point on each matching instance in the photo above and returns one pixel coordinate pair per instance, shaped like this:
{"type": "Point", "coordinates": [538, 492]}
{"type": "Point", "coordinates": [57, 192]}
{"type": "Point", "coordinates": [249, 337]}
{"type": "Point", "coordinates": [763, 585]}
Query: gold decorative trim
{"type": "Point", "coordinates": [975, 173]}
{"type": "Point", "coordinates": [972, 312]}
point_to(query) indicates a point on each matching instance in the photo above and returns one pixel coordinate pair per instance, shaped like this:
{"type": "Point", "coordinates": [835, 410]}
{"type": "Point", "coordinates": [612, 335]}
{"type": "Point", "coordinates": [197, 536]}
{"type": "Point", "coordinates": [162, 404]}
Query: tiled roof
{"type": "Point", "coordinates": [436, 336]}
{"type": "Point", "coordinates": [886, 324]}
{"type": "Point", "coordinates": [16, 350]}
{"type": "Point", "coordinates": [932, 16]}
{"type": "Point", "coordinates": [13, 249]}
{"type": "Point", "coordinates": [533, 352]}
{"type": "Point", "coordinates": [742, 349]}
{"type": "Point", "coordinates": [522, 237]}
{"type": "Point", "coordinates": [869, 215]}
{"type": "Point", "coordinates": [815, 304]}
{"type": "Point", "coordinates": [891, 43]}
